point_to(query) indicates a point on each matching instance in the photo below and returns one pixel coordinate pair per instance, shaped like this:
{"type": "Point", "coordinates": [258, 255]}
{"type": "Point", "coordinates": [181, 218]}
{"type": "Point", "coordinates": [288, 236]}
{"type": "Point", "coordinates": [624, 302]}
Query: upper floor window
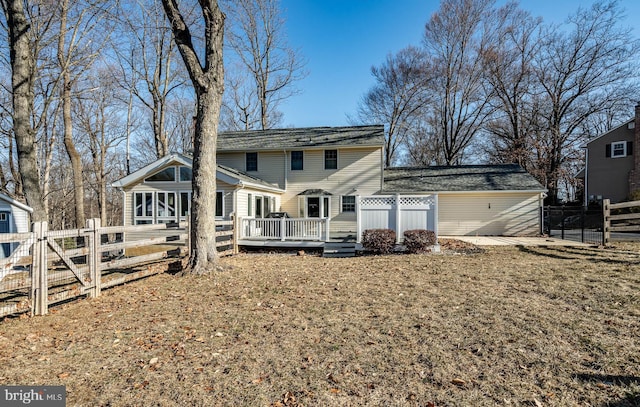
{"type": "Point", "coordinates": [251, 161]}
{"type": "Point", "coordinates": [297, 161]}
{"type": "Point", "coordinates": [186, 174]}
{"type": "Point", "coordinates": [619, 149]}
{"type": "Point", "coordinates": [168, 174]}
{"type": "Point", "coordinates": [330, 159]}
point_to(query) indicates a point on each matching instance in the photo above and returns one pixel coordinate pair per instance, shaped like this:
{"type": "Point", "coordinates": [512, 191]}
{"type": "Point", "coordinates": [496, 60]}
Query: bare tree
{"type": "Point", "coordinates": [455, 39]}
{"type": "Point", "coordinates": [77, 50]}
{"type": "Point", "coordinates": [208, 82]}
{"type": "Point", "coordinates": [582, 72]}
{"type": "Point", "coordinates": [148, 65]}
{"type": "Point", "coordinates": [508, 60]}
{"type": "Point", "coordinates": [98, 120]}
{"type": "Point", "coordinates": [23, 69]}
{"type": "Point", "coordinates": [398, 98]}
{"type": "Point", "coordinates": [257, 37]}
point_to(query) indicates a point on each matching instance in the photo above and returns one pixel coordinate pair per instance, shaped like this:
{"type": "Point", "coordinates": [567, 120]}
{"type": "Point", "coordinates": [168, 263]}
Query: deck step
{"type": "Point", "coordinates": [339, 249]}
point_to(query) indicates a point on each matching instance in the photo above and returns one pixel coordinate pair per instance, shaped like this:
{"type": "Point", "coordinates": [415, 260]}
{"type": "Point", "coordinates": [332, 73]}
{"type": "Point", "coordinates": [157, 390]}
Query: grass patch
{"type": "Point", "coordinates": [504, 326]}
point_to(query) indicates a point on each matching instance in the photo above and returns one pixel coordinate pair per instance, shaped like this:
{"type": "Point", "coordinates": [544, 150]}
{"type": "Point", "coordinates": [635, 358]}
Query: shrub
{"type": "Point", "coordinates": [419, 240]}
{"type": "Point", "coordinates": [379, 241]}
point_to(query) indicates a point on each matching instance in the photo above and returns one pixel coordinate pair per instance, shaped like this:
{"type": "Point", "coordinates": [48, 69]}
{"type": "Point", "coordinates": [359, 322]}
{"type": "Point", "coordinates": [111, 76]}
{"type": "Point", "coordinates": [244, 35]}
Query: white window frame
{"type": "Point", "coordinates": [183, 217]}
{"type": "Point", "coordinates": [145, 217]}
{"type": "Point", "coordinates": [220, 197]}
{"type": "Point", "coordinates": [179, 173]}
{"type": "Point", "coordinates": [342, 203]}
{"type": "Point", "coordinates": [337, 159]}
{"type": "Point", "coordinates": [175, 175]}
{"type": "Point", "coordinates": [618, 144]}
{"type": "Point", "coordinates": [163, 215]}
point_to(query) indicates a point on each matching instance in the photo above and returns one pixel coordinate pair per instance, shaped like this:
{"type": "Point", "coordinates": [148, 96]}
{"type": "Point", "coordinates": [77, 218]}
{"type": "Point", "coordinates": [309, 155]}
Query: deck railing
{"type": "Point", "coordinates": [284, 229]}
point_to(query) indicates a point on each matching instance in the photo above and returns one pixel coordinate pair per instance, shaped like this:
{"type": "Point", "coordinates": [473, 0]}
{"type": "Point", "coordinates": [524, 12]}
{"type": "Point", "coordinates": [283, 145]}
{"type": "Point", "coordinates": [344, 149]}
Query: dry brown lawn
{"type": "Point", "coordinates": [532, 326]}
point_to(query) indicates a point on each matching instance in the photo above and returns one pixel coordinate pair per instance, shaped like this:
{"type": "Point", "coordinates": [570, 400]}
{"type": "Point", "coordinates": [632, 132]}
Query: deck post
{"type": "Point", "coordinates": [327, 224]}
{"type": "Point", "coordinates": [398, 218]}
{"type": "Point", "coordinates": [283, 229]}
{"type": "Point", "coordinates": [94, 257]}
{"type": "Point", "coordinates": [358, 220]}
{"type": "Point", "coordinates": [235, 224]}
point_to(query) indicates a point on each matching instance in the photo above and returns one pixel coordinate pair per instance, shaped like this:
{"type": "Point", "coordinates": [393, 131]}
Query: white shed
{"type": "Point", "coordinates": [15, 217]}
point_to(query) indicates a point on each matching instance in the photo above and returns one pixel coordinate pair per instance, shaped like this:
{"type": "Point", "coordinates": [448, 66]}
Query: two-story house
{"type": "Point", "coordinates": [319, 176]}
{"type": "Point", "coordinates": [612, 167]}
{"type": "Point", "coordinates": [308, 173]}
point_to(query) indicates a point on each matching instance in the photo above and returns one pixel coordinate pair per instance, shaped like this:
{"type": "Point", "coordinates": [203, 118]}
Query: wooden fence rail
{"type": "Point", "coordinates": [624, 222]}
{"type": "Point", "coordinates": [47, 267]}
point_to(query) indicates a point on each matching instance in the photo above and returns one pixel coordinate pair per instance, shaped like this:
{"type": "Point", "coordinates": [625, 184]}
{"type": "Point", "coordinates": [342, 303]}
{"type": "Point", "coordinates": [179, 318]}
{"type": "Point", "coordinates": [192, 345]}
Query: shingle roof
{"type": "Point", "coordinates": [318, 137]}
{"type": "Point", "coordinates": [234, 175]}
{"type": "Point", "coordinates": [509, 177]}
{"type": "Point", "coordinates": [246, 178]}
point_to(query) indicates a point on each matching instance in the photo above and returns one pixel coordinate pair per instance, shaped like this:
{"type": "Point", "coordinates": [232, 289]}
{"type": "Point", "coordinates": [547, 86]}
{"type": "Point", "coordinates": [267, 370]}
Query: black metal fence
{"type": "Point", "coordinates": [578, 223]}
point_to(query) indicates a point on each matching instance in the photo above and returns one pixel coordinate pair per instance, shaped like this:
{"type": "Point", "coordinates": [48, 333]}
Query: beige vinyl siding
{"type": "Point", "coordinates": [243, 199]}
{"type": "Point", "coordinates": [359, 173]}
{"type": "Point", "coordinates": [270, 165]}
{"type": "Point", "coordinates": [176, 187]}
{"type": "Point", "coordinates": [507, 214]}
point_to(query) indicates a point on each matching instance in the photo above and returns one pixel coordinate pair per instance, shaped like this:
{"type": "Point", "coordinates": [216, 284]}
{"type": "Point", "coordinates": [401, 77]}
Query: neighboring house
{"type": "Point", "coordinates": [318, 176]}
{"type": "Point", "coordinates": [14, 218]}
{"type": "Point", "coordinates": [612, 169]}
{"type": "Point", "coordinates": [475, 199]}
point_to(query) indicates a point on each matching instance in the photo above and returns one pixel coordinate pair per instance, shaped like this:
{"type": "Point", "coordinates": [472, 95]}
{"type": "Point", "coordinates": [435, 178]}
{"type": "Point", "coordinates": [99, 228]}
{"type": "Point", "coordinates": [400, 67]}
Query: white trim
{"type": "Point", "coordinates": [624, 149]}
{"type": "Point", "coordinates": [143, 172]}
{"type": "Point", "coordinates": [608, 132]}
{"type": "Point", "coordinates": [13, 202]}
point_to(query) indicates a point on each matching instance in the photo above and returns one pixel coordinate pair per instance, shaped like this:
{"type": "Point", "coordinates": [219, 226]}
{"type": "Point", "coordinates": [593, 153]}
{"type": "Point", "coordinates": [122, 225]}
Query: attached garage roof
{"type": "Point", "coordinates": [504, 177]}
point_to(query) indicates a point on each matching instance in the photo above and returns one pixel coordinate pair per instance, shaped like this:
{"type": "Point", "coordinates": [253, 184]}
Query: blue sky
{"type": "Point", "coordinates": [342, 39]}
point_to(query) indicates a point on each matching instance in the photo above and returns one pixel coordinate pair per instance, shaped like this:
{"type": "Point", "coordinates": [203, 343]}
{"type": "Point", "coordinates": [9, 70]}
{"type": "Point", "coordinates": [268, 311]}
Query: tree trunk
{"type": "Point", "coordinates": [208, 82]}
{"type": "Point", "coordinates": [203, 209]}
{"type": "Point", "coordinates": [23, 71]}
{"type": "Point", "coordinates": [72, 152]}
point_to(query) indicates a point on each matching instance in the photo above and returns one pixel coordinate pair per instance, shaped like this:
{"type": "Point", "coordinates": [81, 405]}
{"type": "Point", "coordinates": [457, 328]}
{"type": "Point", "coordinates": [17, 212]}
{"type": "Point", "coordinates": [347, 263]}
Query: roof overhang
{"type": "Point", "coordinates": [13, 202]}
{"type": "Point", "coordinates": [149, 169]}
{"type": "Point", "coordinates": [495, 191]}
{"type": "Point", "coordinates": [315, 192]}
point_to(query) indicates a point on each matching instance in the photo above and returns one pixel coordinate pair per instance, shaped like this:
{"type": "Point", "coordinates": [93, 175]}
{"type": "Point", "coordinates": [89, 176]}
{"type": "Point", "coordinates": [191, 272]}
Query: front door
{"type": "Point", "coordinates": [313, 207]}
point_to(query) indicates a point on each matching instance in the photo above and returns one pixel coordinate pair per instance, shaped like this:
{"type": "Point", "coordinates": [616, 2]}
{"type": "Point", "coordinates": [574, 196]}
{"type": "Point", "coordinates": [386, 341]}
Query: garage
{"type": "Point", "coordinates": [474, 200]}
{"type": "Point", "coordinates": [504, 214]}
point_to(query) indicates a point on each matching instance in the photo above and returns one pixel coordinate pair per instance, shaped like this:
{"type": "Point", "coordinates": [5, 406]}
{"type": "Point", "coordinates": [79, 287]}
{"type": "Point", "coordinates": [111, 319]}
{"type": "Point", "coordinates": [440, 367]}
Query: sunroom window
{"type": "Point", "coordinates": [166, 175]}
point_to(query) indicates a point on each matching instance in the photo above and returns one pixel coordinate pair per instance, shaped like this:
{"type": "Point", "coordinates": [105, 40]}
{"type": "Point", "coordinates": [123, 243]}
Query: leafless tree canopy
{"type": "Point", "coordinates": [503, 86]}
{"type": "Point", "coordinates": [265, 67]}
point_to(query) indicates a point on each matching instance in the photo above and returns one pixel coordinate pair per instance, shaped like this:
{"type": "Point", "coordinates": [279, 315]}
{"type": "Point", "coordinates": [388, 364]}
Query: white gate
{"type": "Point", "coordinates": [397, 212]}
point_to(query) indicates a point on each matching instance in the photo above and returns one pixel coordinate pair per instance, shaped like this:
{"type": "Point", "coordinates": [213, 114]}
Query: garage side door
{"type": "Point", "coordinates": [488, 214]}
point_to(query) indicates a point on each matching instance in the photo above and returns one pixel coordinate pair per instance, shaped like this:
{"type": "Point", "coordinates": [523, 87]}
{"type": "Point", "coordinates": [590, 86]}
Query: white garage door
{"type": "Point", "coordinates": [506, 214]}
